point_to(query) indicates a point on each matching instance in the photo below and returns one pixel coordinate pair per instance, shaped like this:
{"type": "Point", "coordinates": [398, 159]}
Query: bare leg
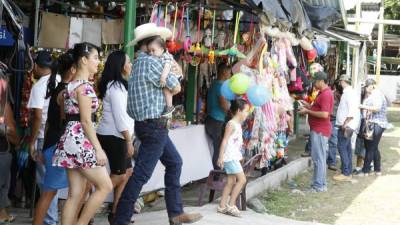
{"type": "Point", "coordinates": [117, 181]}
{"type": "Point", "coordinates": [77, 184]}
{"type": "Point", "coordinates": [42, 206]}
{"type": "Point", "coordinates": [168, 97]}
{"type": "Point", "coordinates": [88, 188]}
{"type": "Point", "coordinates": [100, 179]}
{"type": "Point", "coordinates": [240, 182]}
{"type": "Point", "coordinates": [227, 190]}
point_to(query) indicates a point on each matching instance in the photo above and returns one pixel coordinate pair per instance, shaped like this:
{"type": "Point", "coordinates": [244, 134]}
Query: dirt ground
{"type": "Point", "coordinates": [363, 201]}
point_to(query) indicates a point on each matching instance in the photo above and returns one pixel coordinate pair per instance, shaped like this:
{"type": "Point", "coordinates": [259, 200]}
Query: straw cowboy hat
{"type": "Point", "coordinates": [149, 30]}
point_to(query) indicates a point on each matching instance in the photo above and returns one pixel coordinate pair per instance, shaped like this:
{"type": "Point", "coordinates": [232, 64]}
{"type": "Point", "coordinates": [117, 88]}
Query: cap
{"type": "Point", "coordinates": [320, 76]}
{"type": "Point", "coordinates": [369, 82]}
{"type": "Point", "coordinates": [345, 77]}
{"type": "Point", "coordinates": [43, 59]}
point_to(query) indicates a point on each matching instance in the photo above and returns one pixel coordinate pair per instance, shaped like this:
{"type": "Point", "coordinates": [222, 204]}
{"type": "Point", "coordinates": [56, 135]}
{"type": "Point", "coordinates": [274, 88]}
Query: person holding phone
{"type": "Point", "coordinates": [319, 119]}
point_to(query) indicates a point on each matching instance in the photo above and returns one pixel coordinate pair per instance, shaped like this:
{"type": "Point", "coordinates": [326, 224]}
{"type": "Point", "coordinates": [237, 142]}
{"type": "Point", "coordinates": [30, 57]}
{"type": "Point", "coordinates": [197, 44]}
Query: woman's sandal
{"type": "Point", "coordinates": [233, 211]}
{"type": "Point", "coordinates": [10, 219]}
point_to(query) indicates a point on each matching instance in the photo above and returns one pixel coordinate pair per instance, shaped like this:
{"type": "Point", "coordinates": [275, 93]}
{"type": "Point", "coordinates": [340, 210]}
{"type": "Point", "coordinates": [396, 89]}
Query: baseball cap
{"type": "Point", "coordinates": [345, 77]}
{"type": "Point", "coordinates": [43, 59]}
{"type": "Point", "coordinates": [320, 76]}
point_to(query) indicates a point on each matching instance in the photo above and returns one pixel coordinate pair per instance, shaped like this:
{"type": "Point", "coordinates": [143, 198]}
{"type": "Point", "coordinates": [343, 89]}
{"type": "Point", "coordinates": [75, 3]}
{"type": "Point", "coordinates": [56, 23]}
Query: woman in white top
{"type": "Point", "coordinates": [116, 127]}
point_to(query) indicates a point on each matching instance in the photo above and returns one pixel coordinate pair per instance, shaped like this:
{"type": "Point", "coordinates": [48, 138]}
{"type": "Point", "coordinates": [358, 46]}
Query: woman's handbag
{"type": "Point", "coordinates": [369, 130]}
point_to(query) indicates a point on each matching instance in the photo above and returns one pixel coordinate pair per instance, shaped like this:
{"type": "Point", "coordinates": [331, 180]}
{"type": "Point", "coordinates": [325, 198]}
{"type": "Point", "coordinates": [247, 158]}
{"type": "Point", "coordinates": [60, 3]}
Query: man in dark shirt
{"type": "Point", "coordinates": [319, 119]}
{"type": "Point", "coordinates": [217, 107]}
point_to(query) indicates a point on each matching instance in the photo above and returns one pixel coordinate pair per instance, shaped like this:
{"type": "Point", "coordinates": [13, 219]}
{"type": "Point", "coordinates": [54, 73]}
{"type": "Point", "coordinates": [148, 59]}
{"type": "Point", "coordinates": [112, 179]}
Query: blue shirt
{"type": "Point", "coordinates": [214, 109]}
{"type": "Point", "coordinates": [145, 96]}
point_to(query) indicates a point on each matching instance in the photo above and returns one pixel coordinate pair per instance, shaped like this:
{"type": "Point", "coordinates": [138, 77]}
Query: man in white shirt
{"type": "Point", "coordinates": [347, 119]}
{"type": "Point", "coordinates": [38, 104]}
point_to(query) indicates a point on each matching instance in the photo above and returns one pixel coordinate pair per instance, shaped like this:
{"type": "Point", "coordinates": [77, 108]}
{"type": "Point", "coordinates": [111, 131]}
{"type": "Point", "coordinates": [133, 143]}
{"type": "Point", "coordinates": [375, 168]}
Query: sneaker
{"type": "Point", "coordinates": [357, 171]}
{"type": "Point", "coordinates": [168, 110]}
{"type": "Point", "coordinates": [233, 211]}
{"type": "Point", "coordinates": [362, 174]}
{"type": "Point", "coordinates": [378, 174]}
{"type": "Point", "coordinates": [306, 154]}
{"type": "Point", "coordinates": [332, 167]}
{"type": "Point", "coordinates": [313, 190]}
{"type": "Point", "coordinates": [342, 177]}
{"type": "Point", "coordinates": [185, 218]}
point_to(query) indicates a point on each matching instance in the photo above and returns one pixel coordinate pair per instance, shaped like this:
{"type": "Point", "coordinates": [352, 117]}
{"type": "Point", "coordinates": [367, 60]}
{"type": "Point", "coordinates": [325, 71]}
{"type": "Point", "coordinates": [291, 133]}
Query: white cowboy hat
{"type": "Point", "coordinates": [149, 30]}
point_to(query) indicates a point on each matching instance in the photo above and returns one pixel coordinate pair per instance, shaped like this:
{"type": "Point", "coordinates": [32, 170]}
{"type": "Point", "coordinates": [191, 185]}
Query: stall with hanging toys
{"type": "Point", "coordinates": [271, 68]}
{"type": "Point", "coordinates": [271, 62]}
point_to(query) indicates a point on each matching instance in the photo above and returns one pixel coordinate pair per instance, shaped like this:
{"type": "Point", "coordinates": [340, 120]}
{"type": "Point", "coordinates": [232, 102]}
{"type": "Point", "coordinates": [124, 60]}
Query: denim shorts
{"type": "Point", "coordinates": [233, 167]}
{"type": "Point", "coordinates": [55, 177]}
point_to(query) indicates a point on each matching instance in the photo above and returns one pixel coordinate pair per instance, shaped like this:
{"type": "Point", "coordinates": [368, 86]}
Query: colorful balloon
{"type": "Point", "coordinates": [258, 95]}
{"type": "Point", "coordinates": [315, 67]}
{"type": "Point", "coordinates": [226, 91]}
{"type": "Point", "coordinates": [239, 83]}
{"type": "Point", "coordinates": [321, 46]}
{"type": "Point", "coordinates": [311, 55]}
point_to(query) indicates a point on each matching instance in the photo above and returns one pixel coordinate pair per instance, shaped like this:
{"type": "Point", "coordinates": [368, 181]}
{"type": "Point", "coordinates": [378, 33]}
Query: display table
{"type": "Point", "coordinates": [194, 147]}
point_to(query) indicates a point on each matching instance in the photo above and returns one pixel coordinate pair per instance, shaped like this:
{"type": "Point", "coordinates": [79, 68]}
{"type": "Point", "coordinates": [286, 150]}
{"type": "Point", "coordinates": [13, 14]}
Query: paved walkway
{"type": "Point", "coordinates": [211, 217]}
{"type": "Point", "coordinates": [380, 202]}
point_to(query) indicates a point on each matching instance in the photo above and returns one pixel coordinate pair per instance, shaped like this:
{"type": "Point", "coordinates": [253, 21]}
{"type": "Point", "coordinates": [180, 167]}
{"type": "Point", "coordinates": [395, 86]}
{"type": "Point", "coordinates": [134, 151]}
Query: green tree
{"type": "Point", "coordinates": [392, 12]}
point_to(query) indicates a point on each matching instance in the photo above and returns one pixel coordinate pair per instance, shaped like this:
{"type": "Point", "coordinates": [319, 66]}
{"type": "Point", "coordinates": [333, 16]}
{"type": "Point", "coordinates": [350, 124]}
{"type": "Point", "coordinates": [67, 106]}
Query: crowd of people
{"type": "Point", "coordinates": [137, 103]}
{"type": "Point", "coordinates": [342, 121]}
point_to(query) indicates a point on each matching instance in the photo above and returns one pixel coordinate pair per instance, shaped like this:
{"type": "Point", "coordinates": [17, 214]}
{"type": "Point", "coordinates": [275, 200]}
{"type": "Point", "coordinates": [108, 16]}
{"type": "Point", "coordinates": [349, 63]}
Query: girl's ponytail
{"type": "Point", "coordinates": [52, 83]}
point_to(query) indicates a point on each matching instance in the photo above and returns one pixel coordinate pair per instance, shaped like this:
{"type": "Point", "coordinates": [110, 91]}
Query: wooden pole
{"type": "Point", "coordinates": [380, 42]}
{"type": "Point", "coordinates": [35, 37]}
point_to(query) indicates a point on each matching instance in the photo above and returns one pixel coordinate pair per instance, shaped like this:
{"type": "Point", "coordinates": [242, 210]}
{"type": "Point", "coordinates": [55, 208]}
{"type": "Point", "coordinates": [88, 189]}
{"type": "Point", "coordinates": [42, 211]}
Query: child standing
{"type": "Point", "coordinates": [230, 156]}
{"type": "Point", "coordinates": [169, 66]}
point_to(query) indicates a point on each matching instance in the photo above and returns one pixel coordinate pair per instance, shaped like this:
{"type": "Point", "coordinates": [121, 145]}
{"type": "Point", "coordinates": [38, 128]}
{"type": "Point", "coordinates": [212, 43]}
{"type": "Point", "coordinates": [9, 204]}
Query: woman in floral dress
{"type": "Point", "coordinates": [79, 150]}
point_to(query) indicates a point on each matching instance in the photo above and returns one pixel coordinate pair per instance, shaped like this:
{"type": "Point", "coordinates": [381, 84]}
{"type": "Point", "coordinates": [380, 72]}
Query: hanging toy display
{"type": "Point", "coordinates": [172, 45]}
{"type": "Point", "coordinates": [211, 53]}
{"type": "Point", "coordinates": [233, 51]}
{"type": "Point", "coordinates": [188, 41]}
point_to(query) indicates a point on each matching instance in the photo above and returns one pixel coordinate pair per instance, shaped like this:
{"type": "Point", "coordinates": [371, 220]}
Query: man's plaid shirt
{"type": "Point", "coordinates": [145, 95]}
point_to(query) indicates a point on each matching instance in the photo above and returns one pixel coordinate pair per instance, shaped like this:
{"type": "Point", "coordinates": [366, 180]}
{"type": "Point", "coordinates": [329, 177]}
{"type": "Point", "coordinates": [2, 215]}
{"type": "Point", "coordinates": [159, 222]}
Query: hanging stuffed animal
{"type": "Point", "coordinates": [233, 51]}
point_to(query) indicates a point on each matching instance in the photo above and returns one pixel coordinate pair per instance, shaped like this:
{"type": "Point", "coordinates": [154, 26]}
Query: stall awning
{"type": "Point", "coordinates": [342, 35]}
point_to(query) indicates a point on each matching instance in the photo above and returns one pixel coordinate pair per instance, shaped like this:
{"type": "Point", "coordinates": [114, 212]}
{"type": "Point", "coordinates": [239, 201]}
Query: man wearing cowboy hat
{"type": "Point", "coordinates": [145, 105]}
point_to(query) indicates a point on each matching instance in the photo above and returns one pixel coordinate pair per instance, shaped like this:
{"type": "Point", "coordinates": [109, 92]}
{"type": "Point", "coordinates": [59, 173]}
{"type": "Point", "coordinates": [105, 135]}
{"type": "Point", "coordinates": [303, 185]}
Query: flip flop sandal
{"type": "Point", "coordinates": [10, 219]}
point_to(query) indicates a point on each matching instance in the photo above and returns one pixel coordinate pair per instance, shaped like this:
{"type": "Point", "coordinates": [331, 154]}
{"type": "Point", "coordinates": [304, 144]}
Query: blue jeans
{"type": "Point", "coordinates": [319, 149]}
{"type": "Point", "coordinates": [52, 213]}
{"type": "Point", "coordinates": [333, 141]}
{"type": "Point", "coordinates": [155, 145]}
{"type": "Point", "coordinates": [345, 152]}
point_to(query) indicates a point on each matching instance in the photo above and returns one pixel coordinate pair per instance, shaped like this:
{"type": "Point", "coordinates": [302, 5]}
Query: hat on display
{"type": "Point", "coordinates": [345, 77]}
{"type": "Point", "coordinates": [43, 59]}
{"type": "Point", "coordinates": [320, 76]}
{"type": "Point", "coordinates": [148, 30]}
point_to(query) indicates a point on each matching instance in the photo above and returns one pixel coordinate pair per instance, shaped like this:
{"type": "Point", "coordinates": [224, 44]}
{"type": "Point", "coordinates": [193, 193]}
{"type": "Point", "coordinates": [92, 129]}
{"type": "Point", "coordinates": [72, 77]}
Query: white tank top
{"type": "Point", "coordinates": [235, 143]}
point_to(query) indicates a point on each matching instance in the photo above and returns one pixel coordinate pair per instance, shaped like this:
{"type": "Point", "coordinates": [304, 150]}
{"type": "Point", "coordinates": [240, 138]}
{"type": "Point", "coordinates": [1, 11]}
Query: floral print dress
{"type": "Point", "coordinates": [74, 150]}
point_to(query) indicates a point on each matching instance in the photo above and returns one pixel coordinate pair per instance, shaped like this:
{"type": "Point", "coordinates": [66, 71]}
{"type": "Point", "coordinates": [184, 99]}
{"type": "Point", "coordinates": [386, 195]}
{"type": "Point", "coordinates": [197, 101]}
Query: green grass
{"type": "Point", "coordinates": [326, 207]}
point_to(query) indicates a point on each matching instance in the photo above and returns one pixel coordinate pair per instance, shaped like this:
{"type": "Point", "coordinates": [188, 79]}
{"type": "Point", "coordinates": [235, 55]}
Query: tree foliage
{"type": "Point", "coordinates": [392, 12]}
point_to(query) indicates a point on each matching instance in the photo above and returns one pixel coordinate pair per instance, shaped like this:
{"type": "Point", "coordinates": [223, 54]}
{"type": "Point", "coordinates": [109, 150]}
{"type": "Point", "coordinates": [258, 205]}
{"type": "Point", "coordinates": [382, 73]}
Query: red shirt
{"type": "Point", "coordinates": [323, 103]}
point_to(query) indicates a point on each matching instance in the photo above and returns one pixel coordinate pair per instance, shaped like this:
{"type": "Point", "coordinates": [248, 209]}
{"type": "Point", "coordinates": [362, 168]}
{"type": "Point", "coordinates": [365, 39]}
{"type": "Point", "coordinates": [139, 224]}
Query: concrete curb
{"type": "Point", "coordinates": [274, 179]}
